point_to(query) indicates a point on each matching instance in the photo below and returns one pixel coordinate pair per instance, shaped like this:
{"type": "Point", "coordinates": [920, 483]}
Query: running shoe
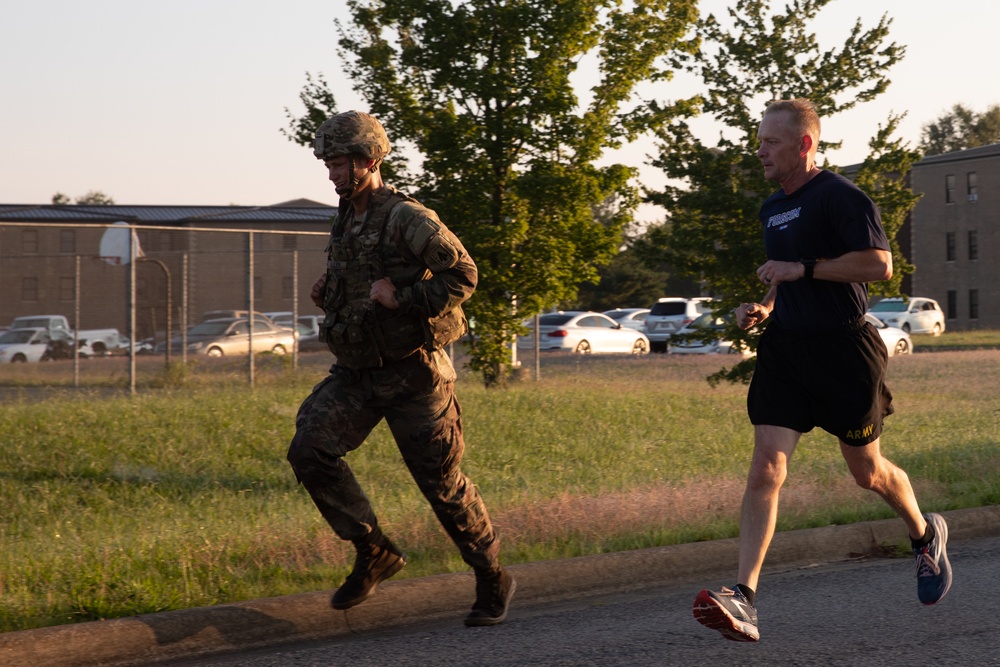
{"type": "Point", "coordinates": [933, 568]}
{"type": "Point", "coordinates": [729, 612]}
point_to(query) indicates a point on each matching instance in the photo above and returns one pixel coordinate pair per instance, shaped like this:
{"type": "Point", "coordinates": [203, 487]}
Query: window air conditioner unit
{"type": "Point", "coordinates": [973, 197]}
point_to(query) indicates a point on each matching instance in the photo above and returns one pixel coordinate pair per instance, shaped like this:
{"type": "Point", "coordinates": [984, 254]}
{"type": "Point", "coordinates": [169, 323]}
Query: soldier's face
{"type": "Point", "coordinates": [348, 175]}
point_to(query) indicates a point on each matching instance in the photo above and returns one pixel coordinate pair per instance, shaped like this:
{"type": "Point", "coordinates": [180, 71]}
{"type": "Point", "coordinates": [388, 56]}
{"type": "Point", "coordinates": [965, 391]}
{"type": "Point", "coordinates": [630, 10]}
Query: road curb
{"type": "Point", "coordinates": [151, 638]}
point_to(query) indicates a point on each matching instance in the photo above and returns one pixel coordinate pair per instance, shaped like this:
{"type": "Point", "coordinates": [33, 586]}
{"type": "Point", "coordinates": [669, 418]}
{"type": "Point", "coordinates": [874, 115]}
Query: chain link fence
{"type": "Point", "coordinates": [119, 304]}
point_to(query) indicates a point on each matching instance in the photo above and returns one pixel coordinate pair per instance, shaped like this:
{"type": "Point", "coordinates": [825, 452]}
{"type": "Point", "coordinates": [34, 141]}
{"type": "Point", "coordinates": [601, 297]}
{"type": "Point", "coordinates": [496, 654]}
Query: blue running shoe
{"type": "Point", "coordinates": [729, 612]}
{"type": "Point", "coordinates": [933, 568]}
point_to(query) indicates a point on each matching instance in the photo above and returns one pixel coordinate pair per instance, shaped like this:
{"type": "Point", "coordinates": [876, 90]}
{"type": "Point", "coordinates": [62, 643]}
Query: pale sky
{"type": "Point", "coordinates": [182, 102]}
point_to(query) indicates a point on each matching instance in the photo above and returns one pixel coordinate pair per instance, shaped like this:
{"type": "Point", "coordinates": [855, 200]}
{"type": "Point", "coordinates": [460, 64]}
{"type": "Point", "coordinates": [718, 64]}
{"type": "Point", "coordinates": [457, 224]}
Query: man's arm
{"type": "Point", "coordinates": [859, 266]}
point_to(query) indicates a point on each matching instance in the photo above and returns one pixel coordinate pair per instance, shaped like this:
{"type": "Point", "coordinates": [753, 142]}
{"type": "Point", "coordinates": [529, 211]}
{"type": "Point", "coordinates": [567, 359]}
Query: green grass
{"type": "Point", "coordinates": [958, 340]}
{"type": "Point", "coordinates": [181, 497]}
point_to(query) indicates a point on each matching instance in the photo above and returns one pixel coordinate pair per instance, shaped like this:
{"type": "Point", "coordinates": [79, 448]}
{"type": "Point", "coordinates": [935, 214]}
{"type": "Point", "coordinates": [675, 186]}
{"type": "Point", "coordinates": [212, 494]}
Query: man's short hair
{"type": "Point", "coordinates": [802, 112]}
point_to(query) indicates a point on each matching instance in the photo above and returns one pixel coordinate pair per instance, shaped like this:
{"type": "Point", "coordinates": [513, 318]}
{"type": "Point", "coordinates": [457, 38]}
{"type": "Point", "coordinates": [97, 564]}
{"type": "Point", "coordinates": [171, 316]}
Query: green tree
{"type": "Point", "coordinates": [625, 282]}
{"type": "Point", "coordinates": [92, 198]}
{"type": "Point", "coordinates": [713, 232]}
{"type": "Point", "coordinates": [959, 129]}
{"type": "Point", "coordinates": [483, 90]}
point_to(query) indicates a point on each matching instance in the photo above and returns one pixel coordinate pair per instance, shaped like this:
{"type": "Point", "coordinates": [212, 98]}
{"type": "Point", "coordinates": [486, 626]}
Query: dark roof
{"type": "Point", "coordinates": [989, 150]}
{"type": "Point", "coordinates": [166, 215]}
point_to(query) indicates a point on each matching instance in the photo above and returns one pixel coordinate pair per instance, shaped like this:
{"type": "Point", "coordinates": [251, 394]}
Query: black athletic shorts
{"type": "Point", "coordinates": [834, 380]}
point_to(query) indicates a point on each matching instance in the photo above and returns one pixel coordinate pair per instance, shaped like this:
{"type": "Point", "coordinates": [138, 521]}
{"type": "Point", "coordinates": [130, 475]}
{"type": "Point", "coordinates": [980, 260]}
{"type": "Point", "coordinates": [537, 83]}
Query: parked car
{"type": "Point", "coordinates": [669, 315]}
{"type": "Point", "coordinates": [633, 318]}
{"type": "Point", "coordinates": [307, 327]}
{"type": "Point", "coordinates": [24, 344]}
{"type": "Point", "coordinates": [705, 335]}
{"type": "Point", "coordinates": [896, 340]}
{"type": "Point", "coordinates": [231, 336]}
{"type": "Point", "coordinates": [221, 314]}
{"type": "Point", "coordinates": [583, 332]}
{"type": "Point", "coordinates": [916, 315]}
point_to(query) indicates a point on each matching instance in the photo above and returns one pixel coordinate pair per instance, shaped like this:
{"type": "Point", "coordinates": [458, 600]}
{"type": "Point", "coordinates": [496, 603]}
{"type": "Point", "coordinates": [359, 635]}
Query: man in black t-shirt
{"type": "Point", "coordinates": [819, 363]}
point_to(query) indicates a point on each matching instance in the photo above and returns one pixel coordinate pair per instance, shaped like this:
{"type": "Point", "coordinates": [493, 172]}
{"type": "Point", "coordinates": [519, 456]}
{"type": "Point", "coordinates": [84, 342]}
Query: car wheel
{"type": "Point", "coordinates": [214, 352]}
{"type": "Point", "coordinates": [278, 350]}
{"type": "Point", "coordinates": [639, 347]}
{"type": "Point", "coordinates": [937, 329]}
{"type": "Point", "coordinates": [905, 327]}
{"type": "Point", "coordinates": [583, 347]}
{"type": "Point", "coordinates": [18, 359]}
{"type": "Point", "coordinates": [902, 347]}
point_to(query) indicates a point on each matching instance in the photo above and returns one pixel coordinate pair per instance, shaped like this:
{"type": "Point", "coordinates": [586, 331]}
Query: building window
{"type": "Point", "coordinates": [952, 304]}
{"type": "Point", "coordinates": [973, 304]}
{"type": "Point", "coordinates": [67, 288]}
{"type": "Point", "coordinates": [949, 189]}
{"type": "Point", "coordinates": [949, 246]}
{"type": "Point", "coordinates": [29, 289]}
{"type": "Point", "coordinates": [971, 188]}
{"type": "Point", "coordinates": [289, 241]}
{"type": "Point", "coordinates": [67, 241]}
{"type": "Point", "coordinates": [286, 288]}
{"type": "Point", "coordinates": [29, 241]}
{"type": "Point", "coordinates": [973, 245]}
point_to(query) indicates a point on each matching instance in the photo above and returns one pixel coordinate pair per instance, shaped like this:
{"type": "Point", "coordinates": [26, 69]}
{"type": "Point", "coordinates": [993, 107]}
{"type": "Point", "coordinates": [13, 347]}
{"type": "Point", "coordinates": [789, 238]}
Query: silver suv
{"type": "Point", "coordinates": [668, 315]}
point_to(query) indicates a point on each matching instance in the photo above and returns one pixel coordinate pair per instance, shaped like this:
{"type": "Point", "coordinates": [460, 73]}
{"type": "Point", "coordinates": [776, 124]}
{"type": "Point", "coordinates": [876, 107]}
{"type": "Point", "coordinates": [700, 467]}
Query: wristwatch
{"type": "Point", "coordinates": [810, 264]}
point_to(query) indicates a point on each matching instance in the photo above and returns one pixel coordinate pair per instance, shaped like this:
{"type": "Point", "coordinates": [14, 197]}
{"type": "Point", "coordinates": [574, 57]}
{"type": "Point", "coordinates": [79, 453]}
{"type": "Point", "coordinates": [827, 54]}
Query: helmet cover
{"type": "Point", "coordinates": [350, 133]}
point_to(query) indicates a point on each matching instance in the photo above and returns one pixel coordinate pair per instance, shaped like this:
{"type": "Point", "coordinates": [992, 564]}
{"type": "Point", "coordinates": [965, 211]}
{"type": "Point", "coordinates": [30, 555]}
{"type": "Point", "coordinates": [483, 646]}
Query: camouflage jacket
{"type": "Point", "coordinates": [433, 274]}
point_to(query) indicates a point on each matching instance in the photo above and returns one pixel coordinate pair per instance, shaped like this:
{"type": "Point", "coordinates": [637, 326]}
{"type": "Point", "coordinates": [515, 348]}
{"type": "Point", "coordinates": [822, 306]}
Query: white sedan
{"type": "Point", "coordinates": [583, 332]}
{"type": "Point", "coordinates": [705, 336]}
{"type": "Point", "coordinates": [896, 340]}
{"type": "Point", "coordinates": [20, 345]}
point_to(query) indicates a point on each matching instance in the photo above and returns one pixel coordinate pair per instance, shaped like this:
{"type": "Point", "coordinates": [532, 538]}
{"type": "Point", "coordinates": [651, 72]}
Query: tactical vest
{"type": "Point", "coordinates": [362, 333]}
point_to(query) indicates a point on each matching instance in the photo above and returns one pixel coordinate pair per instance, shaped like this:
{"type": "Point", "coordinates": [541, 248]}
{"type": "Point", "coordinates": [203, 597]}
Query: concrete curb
{"type": "Point", "coordinates": [150, 638]}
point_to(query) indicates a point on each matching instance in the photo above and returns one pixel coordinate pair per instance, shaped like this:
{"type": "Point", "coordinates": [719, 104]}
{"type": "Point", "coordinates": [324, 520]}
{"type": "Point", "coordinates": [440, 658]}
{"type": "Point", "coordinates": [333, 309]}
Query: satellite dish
{"type": "Point", "coordinates": [116, 244]}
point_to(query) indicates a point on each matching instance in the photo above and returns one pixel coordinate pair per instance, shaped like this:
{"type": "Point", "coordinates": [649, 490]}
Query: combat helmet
{"type": "Point", "coordinates": [350, 133]}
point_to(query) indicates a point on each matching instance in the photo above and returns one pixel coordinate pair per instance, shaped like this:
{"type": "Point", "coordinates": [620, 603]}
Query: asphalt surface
{"type": "Point", "coordinates": [199, 633]}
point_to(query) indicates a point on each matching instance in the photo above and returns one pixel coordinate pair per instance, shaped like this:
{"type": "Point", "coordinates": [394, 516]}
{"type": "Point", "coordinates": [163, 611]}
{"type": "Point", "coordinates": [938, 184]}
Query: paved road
{"type": "Point", "coordinates": [850, 614]}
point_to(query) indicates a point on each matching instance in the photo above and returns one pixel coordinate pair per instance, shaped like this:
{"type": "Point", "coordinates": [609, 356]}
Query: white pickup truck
{"type": "Point", "coordinates": [91, 342]}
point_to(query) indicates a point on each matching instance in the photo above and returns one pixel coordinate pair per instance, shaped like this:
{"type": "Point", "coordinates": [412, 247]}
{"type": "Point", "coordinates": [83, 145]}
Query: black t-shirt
{"type": "Point", "coordinates": [825, 218]}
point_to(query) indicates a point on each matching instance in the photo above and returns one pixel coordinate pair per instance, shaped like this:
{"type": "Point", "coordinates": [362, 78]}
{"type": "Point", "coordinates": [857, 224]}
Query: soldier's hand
{"type": "Point", "coordinates": [316, 293]}
{"type": "Point", "coordinates": [384, 292]}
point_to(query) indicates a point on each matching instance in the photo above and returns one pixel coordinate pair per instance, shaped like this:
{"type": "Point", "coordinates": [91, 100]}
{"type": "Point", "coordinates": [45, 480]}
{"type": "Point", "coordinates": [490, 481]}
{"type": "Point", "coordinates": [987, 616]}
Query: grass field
{"type": "Point", "coordinates": [180, 496]}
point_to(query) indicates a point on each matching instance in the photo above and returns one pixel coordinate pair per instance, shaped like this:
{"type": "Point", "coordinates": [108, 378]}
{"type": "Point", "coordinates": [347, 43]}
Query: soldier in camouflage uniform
{"type": "Point", "coordinates": [392, 292]}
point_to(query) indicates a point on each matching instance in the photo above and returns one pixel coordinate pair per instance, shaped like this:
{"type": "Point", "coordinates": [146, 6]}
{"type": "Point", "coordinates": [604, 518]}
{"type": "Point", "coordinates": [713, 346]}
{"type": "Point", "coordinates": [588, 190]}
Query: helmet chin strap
{"type": "Point", "coordinates": [346, 193]}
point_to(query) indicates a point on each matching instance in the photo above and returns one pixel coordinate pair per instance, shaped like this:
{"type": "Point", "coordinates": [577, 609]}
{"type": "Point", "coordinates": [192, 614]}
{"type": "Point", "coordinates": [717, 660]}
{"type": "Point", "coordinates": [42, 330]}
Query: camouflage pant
{"type": "Point", "coordinates": [416, 397]}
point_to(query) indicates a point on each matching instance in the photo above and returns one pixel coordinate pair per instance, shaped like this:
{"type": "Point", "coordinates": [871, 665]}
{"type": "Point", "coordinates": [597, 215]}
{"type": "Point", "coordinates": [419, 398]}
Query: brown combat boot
{"type": "Point", "coordinates": [494, 589]}
{"type": "Point", "coordinates": [374, 564]}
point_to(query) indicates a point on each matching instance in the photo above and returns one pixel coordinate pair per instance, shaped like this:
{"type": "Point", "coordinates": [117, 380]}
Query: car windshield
{"type": "Point", "coordinates": [553, 320]}
{"type": "Point", "coordinates": [15, 337]}
{"type": "Point", "coordinates": [209, 329]}
{"type": "Point", "coordinates": [708, 321]}
{"type": "Point", "coordinates": [889, 307]}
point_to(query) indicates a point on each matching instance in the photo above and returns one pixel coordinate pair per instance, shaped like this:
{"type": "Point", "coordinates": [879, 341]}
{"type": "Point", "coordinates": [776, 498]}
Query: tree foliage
{"type": "Point", "coordinates": [483, 90]}
{"type": "Point", "coordinates": [959, 129]}
{"type": "Point", "coordinates": [713, 232]}
{"type": "Point", "coordinates": [92, 198]}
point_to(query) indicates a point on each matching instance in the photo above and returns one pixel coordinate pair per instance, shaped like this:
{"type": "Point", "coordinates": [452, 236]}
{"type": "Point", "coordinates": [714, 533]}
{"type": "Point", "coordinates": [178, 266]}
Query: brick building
{"type": "Point", "coordinates": [954, 235]}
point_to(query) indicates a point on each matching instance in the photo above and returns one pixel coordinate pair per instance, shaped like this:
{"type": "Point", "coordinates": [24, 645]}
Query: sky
{"type": "Point", "coordinates": [183, 102]}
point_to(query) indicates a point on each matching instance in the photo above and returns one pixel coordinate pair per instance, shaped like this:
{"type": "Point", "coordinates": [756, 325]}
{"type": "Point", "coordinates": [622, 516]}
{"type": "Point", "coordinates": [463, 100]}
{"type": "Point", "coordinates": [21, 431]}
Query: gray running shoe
{"type": "Point", "coordinates": [933, 567]}
{"type": "Point", "coordinates": [729, 612]}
